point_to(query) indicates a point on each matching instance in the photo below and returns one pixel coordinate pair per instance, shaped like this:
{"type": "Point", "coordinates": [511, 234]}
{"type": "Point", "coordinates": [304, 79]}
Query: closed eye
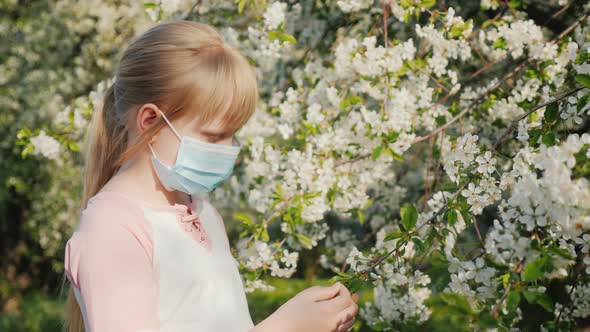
{"type": "Point", "coordinates": [216, 138]}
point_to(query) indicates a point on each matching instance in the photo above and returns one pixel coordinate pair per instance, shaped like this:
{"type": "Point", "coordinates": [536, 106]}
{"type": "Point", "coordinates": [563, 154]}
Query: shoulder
{"type": "Point", "coordinates": [108, 215]}
{"type": "Point", "coordinates": [108, 227]}
{"type": "Point", "coordinates": [106, 210]}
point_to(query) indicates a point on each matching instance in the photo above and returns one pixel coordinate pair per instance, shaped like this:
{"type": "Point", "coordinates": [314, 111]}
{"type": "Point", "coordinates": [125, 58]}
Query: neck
{"type": "Point", "coordinates": [137, 178]}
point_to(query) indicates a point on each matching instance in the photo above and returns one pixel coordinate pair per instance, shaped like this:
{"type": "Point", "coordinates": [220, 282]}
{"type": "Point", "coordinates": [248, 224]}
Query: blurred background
{"type": "Point", "coordinates": [51, 54]}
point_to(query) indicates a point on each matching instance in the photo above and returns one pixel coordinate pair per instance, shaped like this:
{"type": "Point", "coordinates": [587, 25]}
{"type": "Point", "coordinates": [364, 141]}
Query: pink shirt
{"type": "Point", "coordinates": [144, 267]}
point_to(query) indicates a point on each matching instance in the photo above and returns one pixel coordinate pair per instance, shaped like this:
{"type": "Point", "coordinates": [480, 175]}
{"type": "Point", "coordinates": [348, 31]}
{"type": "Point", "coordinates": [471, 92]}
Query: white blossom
{"type": "Point", "coordinates": [45, 145]}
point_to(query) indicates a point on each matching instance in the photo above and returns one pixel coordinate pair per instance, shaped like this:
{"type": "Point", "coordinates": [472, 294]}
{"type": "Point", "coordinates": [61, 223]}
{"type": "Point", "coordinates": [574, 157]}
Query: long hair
{"type": "Point", "coordinates": [186, 69]}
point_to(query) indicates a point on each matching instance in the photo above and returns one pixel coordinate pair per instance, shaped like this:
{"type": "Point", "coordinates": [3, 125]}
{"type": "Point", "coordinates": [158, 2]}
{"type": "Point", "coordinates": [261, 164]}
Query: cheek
{"type": "Point", "coordinates": [166, 147]}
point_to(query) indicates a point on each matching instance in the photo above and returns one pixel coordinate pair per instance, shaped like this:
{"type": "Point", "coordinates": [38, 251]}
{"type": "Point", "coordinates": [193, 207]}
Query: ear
{"type": "Point", "coordinates": [147, 116]}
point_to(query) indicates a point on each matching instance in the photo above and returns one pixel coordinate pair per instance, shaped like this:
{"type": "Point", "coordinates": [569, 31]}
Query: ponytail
{"type": "Point", "coordinates": [107, 140]}
{"type": "Point", "coordinates": [74, 321]}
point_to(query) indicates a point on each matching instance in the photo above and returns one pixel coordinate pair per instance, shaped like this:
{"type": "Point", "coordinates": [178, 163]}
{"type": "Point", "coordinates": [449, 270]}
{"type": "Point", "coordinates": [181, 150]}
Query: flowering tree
{"type": "Point", "coordinates": [454, 135]}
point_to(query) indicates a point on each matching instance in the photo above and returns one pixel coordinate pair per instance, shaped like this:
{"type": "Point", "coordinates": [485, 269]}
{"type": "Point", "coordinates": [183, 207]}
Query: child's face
{"type": "Point", "coordinates": [211, 132]}
{"type": "Point", "coordinates": [166, 143]}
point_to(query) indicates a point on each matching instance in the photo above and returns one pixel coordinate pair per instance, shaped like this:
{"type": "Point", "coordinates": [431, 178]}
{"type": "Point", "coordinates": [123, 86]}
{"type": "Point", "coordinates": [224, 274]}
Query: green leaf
{"type": "Point", "coordinates": [440, 120]}
{"type": "Point", "coordinates": [73, 146]}
{"type": "Point", "coordinates": [458, 29]}
{"type": "Point", "coordinates": [376, 152]}
{"type": "Point", "coordinates": [244, 218]}
{"type": "Point", "coordinates": [340, 276]}
{"type": "Point", "coordinates": [500, 43]}
{"type": "Point", "coordinates": [583, 79]}
{"type": "Point", "coordinates": [361, 216]}
{"type": "Point", "coordinates": [409, 216]}
{"type": "Point", "coordinates": [394, 235]}
{"type": "Point", "coordinates": [353, 284]}
{"type": "Point", "coordinates": [505, 279]}
{"type": "Point", "coordinates": [537, 268]}
{"type": "Point", "coordinates": [515, 4]}
{"type": "Point", "coordinates": [275, 34]}
{"type": "Point", "coordinates": [438, 259]}
{"type": "Point", "coordinates": [560, 251]}
{"type": "Point", "coordinates": [549, 139]}
{"type": "Point", "coordinates": [539, 298]}
{"type": "Point", "coordinates": [348, 102]}
{"type": "Point", "coordinates": [451, 217]}
{"type": "Point", "coordinates": [449, 312]}
{"type": "Point", "coordinates": [552, 112]}
{"type": "Point", "coordinates": [304, 240]}
{"type": "Point", "coordinates": [428, 3]}
{"type": "Point", "coordinates": [466, 217]}
{"type": "Point", "coordinates": [29, 149]}
{"type": "Point", "coordinates": [279, 189]}
{"type": "Point", "coordinates": [392, 137]}
{"type": "Point", "coordinates": [241, 5]}
{"type": "Point", "coordinates": [24, 132]}
{"type": "Point", "coordinates": [419, 244]}
{"type": "Point", "coordinates": [407, 16]}
{"type": "Point", "coordinates": [486, 320]}
{"type": "Point", "coordinates": [582, 102]}
{"type": "Point", "coordinates": [396, 156]}
{"type": "Point", "coordinates": [581, 58]}
{"type": "Point", "coordinates": [264, 235]}
{"type": "Point", "coordinates": [512, 301]}
{"type": "Point", "coordinates": [534, 135]}
{"type": "Point", "coordinates": [150, 5]}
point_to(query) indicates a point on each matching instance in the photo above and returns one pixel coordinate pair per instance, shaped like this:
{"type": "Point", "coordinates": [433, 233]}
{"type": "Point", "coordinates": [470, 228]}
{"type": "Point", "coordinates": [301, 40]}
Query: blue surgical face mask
{"type": "Point", "coordinates": [200, 166]}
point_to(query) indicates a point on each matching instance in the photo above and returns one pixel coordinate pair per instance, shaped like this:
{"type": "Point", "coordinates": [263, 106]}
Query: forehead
{"type": "Point", "coordinates": [213, 127]}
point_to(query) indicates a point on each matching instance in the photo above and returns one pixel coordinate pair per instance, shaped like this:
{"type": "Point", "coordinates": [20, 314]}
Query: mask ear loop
{"type": "Point", "coordinates": [171, 127]}
{"type": "Point", "coordinates": [150, 146]}
{"type": "Point", "coordinates": [180, 138]}
{"type": "Point", "coordinates": [169, 124]}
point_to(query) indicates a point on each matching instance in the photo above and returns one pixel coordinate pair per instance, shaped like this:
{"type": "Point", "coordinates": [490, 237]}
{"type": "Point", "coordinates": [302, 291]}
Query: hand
{"type": "Point", "coordinates": [349, 315]}
{"type": "Point", "coordinates": [315, 309]}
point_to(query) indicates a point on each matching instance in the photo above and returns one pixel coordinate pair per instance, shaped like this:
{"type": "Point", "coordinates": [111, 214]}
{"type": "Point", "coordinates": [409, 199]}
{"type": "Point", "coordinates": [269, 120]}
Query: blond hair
{"type": "Point", "coordinates": [186, 69]}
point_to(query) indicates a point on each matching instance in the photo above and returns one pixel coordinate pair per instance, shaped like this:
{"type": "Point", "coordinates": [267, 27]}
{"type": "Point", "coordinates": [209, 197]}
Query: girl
{"type": "Point", "coordinates": [150, 252]}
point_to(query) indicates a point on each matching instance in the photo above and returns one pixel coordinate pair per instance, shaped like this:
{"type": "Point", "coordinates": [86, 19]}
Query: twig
{"type": "Point", "coordinates": [502, 299]}
{"type": "Point", "coordinates": [505, 295]}
{"type": "Point", "coordinates": [477, 230]}
{"type": "Point", "coordinates": [382, 258]}
{"type": "Point", "coordinates": [497, 85]}
{"type": "Point", "coordinates": [385, 42]}
{"type": "Point", "coordinates": [190, 11]}
{"type": "Point", "coordinates": [514, 123]}
{"type": "Point", "coordinates": [576, 279]}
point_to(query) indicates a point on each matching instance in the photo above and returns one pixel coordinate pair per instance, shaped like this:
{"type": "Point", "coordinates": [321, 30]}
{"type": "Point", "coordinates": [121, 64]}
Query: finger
{"type": "Point", "coordinates": [347, 325]}
{"type": "Point", "coordinates": [348, 313]}
{"type": "Point", "coordinates": [338, 303]}
{"type": "Point", "coordinates": [325, 293]}
{"type": "Point", "coordinates": [345, 291]}
{"type": "Point", "coordinates": [355, 297]}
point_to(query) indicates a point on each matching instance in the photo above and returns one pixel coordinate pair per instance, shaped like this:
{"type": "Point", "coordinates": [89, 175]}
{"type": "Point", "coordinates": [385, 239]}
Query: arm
{"type": "Point", "coordinates": [109, 260]}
